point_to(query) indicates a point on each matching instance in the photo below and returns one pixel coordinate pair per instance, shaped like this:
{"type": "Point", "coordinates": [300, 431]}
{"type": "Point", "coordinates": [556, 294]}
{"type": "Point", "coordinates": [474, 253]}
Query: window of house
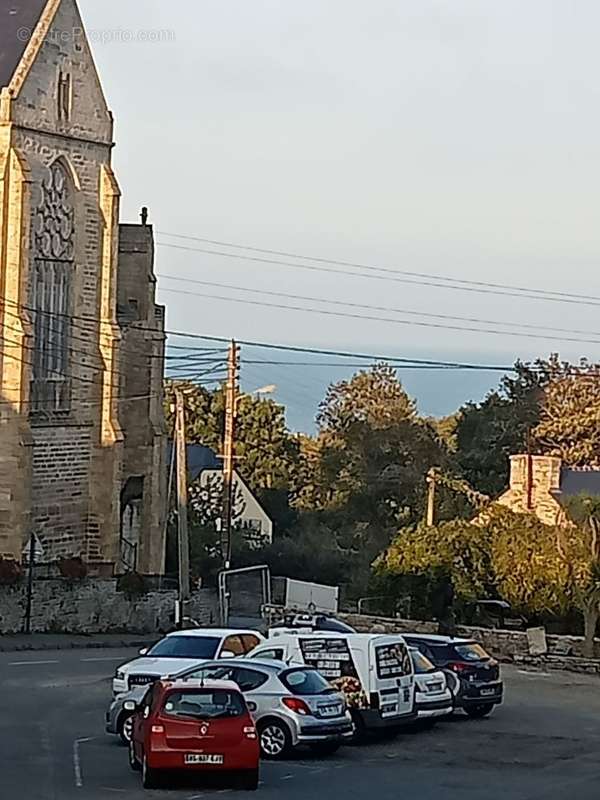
{"type": "Point", "coordinates": [54, 234]}
{"type": "Point", "coordinates": [64, 96]}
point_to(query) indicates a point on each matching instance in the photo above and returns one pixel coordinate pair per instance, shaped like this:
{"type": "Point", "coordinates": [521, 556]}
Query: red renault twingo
{"type": "Point", "coordinates": [193, 725]}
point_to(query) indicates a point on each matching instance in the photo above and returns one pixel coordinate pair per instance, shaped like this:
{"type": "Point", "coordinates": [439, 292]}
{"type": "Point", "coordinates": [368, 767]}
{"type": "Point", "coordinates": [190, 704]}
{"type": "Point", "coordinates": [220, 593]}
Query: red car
{"type": "Point", "coordinates": [193, 725]}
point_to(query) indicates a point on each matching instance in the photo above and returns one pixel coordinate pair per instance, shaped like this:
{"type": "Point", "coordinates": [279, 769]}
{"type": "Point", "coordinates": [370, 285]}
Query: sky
{"type": "Point", "coordinates": [457, 139]}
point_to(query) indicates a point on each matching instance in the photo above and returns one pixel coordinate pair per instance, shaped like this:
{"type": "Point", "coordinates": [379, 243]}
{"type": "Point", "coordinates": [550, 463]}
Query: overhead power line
{"type": "Point", "coordinates": [388, 359]}
{"type": "Point", "coordinates": [370, 318]}
{"type": "Point", "coordinates": [409, 312]}
{"type": "Point", "coordinates": [425, 278]}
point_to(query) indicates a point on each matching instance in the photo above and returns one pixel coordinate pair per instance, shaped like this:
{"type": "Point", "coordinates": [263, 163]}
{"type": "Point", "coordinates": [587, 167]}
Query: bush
{"type": "Point", "coordinates": [74, 569]}
{"type": "Point", "coordinates": [10, 572]}
{"type": "Point", "coordinates": [132, 584]}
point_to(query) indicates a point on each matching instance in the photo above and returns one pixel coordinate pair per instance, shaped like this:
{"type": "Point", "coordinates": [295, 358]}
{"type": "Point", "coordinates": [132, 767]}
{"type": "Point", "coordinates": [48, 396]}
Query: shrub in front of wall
{"type": "Point", "coordinates": [132, 584]}
{"type": "Point", "coordinates": [10, 572]}
{"type": "Point", "coordinates": [73, 569]}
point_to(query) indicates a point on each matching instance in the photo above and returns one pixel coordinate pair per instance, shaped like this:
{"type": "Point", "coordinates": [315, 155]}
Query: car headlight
{"type": "Point", "coordinates": [120, 675]}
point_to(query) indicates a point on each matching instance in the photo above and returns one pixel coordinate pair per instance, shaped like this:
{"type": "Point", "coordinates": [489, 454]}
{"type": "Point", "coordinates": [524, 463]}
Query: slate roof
{"type": "Point", "coordinates": [199, 458]}
{"type": "Point", "coordinates": [18, 19]}
{"type": "Point", "coordinates": [579, 481]}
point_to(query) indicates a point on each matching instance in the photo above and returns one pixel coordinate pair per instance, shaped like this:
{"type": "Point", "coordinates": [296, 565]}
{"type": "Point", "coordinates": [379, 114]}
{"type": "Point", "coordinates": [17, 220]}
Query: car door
{"type": "Point", "coordinates": [394, 673]}
{"type": "Point", "coordinates": [275, 653]}
{"type": "Point", "coordinates": [251, 682]}
{"type": "Point", "coordinates": [140, 721]}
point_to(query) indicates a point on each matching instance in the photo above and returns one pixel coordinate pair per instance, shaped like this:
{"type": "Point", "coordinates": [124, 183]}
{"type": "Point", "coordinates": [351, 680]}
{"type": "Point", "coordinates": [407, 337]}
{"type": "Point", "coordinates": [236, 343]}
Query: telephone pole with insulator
{"type": "Point", "coordinates": [231, 397]}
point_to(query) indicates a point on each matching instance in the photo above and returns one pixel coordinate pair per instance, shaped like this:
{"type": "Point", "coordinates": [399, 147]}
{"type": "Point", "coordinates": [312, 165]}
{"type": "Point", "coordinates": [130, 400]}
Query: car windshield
{"type": "Point", "coordinates": [305, 682]}
{"type": "Point", "coordinates": [421, 663]}
{"type": "Point", "coordinates": [204, 704]}
{"type": "Point", "coordinates": [470, 651]}
{"type": "Point", "coordinates": [186, 647]}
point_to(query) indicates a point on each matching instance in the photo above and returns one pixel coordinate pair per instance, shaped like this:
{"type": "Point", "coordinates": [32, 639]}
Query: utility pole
{"type": "Point", "coordinates": [229, 450]}
{"type": "Point", "coordinates": [431, 480]}
{"type": "Point", "coordinates": [182, 509]}
{"type": "Point", "coordinates": [30, 583]}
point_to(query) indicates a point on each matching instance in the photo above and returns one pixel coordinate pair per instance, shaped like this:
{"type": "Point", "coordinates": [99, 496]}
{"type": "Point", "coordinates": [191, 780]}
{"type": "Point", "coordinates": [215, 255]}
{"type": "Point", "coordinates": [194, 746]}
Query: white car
{"type": "Point", "coordinates": [433, 695]}
{"type": "Point", "coordinates": [182, 649]}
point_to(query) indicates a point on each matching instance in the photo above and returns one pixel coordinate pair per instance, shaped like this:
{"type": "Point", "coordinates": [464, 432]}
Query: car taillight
{"type": "Point", "coordinates": [250, 732]}
{"type": "Point", "coordinates": [458, 667]}
{"type": "Point", "coordinates": [297, 706]}
{"type": "Point", "coordinates": [158, 729]}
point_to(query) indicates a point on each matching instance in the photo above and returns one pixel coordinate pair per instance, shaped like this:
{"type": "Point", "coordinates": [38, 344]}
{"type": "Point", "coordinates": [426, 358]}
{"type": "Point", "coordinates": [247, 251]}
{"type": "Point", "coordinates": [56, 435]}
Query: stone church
{"type": "Point", "coordinates": [82, 431]}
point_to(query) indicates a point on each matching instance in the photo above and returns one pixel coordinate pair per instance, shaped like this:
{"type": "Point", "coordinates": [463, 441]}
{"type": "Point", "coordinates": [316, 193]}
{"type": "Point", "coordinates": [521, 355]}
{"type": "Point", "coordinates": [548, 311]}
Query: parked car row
{"type": "Point", "coordinates": [208, 699]}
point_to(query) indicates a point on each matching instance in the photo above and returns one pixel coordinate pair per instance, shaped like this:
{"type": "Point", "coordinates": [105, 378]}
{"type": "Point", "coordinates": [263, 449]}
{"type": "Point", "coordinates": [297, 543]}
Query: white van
{"type": "Point", "coordinates": [374, 671]}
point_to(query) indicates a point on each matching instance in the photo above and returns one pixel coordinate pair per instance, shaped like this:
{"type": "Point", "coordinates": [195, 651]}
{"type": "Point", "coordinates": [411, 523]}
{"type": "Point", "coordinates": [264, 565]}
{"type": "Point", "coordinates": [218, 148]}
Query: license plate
{"type": "Point", "coordinates": [202, 758]}
{"type": "Point", "coordinates": [487, 692]}
{"type": "Point", "coordinates": [329, 711]}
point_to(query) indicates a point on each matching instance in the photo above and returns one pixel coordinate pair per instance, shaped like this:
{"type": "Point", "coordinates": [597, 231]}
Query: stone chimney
{"type": "Point", "coordinates": [544, 472]}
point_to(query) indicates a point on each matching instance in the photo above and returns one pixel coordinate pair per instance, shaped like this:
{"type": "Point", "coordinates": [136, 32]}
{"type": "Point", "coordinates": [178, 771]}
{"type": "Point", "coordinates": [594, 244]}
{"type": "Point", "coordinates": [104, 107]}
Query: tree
{"type": "Point", "coordinates": [457, 550]}
{"type": "Point", "coordinates": [489, 432]}
{"type": "Point", "coordinates": [569, 420]}
{"type": "Point", "coordinates": [267, 452]}
{"type": "Point", "coordinates": [374, 397]}
{"type": "Point", "coordinates": [579, 548]}
{"type": "Point", "coordinates": [205, 510]}
{"type": "Point", "coordinates": [526, 566]}
{"type": "Point", "coordinates": [504, 555]}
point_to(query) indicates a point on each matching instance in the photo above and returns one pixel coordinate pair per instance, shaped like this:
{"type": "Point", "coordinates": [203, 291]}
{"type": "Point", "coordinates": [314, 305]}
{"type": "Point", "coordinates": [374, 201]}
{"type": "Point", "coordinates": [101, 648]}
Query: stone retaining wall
{"type": "Point", "coordinates": [563, 651]}
{"type": "Point", "coordinates": [95, 606]}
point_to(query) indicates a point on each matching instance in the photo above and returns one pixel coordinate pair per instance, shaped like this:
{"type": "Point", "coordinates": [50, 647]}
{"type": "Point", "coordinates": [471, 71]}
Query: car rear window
{"type": "Point", "coordinates": [421, 663]}
{"type": "Point", "coordinates": [204, 704]}
{"type": "Point", "coordinates": [186, 647]}
{"type": "Point", "coordinates": [305, 682]}
{"type": "Point", "coordinates": [470, 651]}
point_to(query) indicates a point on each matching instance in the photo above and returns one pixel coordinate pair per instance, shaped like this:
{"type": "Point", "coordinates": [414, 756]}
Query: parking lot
{"type": "Point", "coordinates": [543, 743]}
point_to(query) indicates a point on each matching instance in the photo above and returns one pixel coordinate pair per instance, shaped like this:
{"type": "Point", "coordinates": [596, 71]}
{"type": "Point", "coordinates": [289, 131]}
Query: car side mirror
{"type": "Point", "coordinates": [144, 651]}
{"type": "Point", "coordinates": [227, 654]}
{"type": "Point", "coordinates": [130, 705]}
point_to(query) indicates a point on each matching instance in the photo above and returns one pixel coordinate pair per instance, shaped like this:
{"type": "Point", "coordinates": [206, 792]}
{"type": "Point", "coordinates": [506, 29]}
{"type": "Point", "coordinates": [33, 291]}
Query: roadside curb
{"type": "Point", "coordinates": [73, 644]}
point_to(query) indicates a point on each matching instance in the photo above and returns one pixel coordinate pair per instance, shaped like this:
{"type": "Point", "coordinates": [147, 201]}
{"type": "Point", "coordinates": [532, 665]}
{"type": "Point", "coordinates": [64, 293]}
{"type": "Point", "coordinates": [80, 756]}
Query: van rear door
{"type": "Point", "coordinates": [392, 676]}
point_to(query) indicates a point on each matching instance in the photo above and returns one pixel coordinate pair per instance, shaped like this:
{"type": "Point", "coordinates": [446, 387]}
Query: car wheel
{"type": "Point", "coordinates": [325, 748]}
{"type": "Point", "coordinates": [249, 780]}
{"type": "Point", "coordinates": [149, 775]}
{"type": "Point", "coordinates": [133, 762]}
{"type": "Point", "coordinates": [125, 727]}
{"type": "Point", "coordinates": [479, 711]}
{"type": "Point", "coordinates": [275, 739]}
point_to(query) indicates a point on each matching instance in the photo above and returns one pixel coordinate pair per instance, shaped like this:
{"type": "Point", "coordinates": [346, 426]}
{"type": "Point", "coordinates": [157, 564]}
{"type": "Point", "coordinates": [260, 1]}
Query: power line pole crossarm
{"type": "Point", "coordinates": [182, 508]}
{"type": "Point", "coordinates": [229, 450]}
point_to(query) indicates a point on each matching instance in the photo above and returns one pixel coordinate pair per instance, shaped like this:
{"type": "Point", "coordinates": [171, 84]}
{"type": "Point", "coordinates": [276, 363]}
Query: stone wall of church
{"type": "Point", "coordinates": [74, 460]}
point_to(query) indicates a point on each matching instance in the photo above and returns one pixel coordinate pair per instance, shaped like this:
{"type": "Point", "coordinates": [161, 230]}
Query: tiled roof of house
{"type": "Point", "coordinates": [199, 458]}
{"type": "Point", "coordinates": [18, 19]}
{"type": "Point", "coordinates": [579, 481]}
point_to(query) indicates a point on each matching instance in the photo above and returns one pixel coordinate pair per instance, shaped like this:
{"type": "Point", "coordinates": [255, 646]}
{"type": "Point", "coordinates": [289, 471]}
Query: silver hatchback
{"type": "Point", "coordinates": [292, 705]}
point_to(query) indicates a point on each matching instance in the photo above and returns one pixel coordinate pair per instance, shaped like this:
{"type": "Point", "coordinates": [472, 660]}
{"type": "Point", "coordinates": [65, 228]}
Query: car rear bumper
{"type": "Point", "coordinates": [175, 760]}
{"type": "Point", "coordinates": [480, 693]}
{"type": "Point", "coordinates": [325, 731]}
{"type": "Point", "coordinates": [438, 708]}
{"type": "Point", "coordinates": [371, 718]}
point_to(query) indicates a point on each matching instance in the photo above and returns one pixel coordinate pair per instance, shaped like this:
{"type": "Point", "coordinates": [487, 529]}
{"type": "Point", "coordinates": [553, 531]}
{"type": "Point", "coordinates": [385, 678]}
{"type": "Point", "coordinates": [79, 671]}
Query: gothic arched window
{"type": "Point", "coordinates": [54, 237]}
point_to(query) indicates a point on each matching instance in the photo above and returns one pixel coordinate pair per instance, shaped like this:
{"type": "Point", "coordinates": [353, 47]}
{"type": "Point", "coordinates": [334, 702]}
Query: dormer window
{"type": "Point", "coordinates": [64, 96]}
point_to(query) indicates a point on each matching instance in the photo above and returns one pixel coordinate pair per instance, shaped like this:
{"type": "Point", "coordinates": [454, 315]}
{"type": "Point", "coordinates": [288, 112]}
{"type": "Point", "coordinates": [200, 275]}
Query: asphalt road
{"type": "Point", "coordinates": [543, 744]}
